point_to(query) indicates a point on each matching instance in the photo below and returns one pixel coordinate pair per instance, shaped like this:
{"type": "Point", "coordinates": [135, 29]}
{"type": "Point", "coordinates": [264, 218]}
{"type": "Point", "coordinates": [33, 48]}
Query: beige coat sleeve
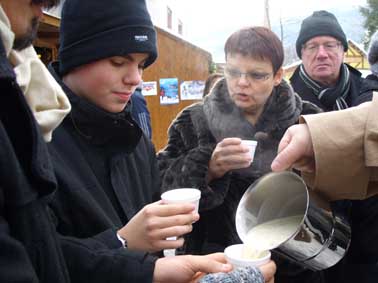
{"type": "Point", "coordinates": [346, 152]}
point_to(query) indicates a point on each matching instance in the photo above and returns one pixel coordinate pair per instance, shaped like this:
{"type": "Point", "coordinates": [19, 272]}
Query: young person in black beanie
{"type": "Point", "coordinates": [325, 80]}
{"type": "Point", "coordinates": [105, 167]}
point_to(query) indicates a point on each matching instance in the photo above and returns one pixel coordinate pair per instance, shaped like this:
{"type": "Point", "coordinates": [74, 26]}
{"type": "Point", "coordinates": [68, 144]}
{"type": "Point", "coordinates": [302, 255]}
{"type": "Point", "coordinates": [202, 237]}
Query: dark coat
{"type": "Point", "coordinates": [29, 246]}
{"type": "Point", "coordinates": [360, 264]}
{"type": "Point", "coordinates": [106, 171]}
{"type": "Point", "coordinates": [193, 136]}
{"type": "Point", "coordinates": [365, 212]}
{"type": "Point", "coordinates": [369, 84]}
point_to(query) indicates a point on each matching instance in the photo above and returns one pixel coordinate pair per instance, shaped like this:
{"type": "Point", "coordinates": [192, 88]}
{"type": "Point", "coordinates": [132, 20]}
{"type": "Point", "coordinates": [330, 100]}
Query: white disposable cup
{"type": "Point", "coordinates": [234, 257]}
{"type": "Point", "coordinates": [251, 146]}
{"type": "Point", "coordinates": [183, 195]}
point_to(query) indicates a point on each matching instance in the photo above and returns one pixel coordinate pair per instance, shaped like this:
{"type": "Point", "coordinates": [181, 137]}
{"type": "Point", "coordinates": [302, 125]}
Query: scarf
{"type": "Point", "coordinates": [333, 97]}
{"type": "Point", "coordinates": [43, 94]}
{"type": "Point", "coordinates": [225, 119]}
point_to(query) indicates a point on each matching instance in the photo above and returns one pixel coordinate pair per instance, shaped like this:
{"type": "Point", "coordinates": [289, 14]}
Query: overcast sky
{"type": "Point", "coordinates": [208, 23]}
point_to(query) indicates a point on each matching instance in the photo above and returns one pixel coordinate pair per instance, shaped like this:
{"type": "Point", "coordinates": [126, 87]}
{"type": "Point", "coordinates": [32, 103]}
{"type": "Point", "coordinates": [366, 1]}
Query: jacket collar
{"type": "Point", "coordinates": [97, 125]}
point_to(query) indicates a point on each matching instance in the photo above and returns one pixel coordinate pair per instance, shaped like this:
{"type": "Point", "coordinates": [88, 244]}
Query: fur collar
{"type": "Point", "coordinates": [225, 119]}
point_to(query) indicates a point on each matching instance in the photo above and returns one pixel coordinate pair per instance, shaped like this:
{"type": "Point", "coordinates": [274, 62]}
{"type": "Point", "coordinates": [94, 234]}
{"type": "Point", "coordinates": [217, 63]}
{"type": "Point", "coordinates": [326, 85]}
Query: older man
{"type": "Point", "coordinates": [325, 80]}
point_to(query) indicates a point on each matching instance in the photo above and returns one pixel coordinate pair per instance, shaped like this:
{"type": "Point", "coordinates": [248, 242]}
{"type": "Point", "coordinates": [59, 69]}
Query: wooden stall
{"type": "Point", "coordinates": [177, 59]}
{"type": "Point", "coordinates": [356, 56]}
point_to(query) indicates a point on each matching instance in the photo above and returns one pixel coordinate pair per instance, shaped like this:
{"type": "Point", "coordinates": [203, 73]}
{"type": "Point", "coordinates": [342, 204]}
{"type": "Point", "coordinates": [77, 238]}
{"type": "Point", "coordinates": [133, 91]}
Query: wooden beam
{"type": "Point", "coordinates": [50, 20]}
{"type": "Point", "coordinates": [352, 59]}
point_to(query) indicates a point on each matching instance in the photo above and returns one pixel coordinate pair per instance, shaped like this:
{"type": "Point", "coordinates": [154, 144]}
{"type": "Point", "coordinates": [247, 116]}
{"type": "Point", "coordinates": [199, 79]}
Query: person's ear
{"type": "Point", "coordinates": [278, 76]}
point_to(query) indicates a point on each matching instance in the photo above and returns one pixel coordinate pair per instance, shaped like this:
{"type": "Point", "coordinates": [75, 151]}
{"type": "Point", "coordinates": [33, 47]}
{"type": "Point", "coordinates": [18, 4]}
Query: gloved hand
{"type": "Point", "coordinates": [243, 275]}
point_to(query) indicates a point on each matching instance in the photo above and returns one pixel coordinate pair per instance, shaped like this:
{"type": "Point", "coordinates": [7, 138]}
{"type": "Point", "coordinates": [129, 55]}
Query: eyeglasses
{"type": "Point", "coordinates": [234, 74]}
{"type": "Point", "coordinates": [313, 48]}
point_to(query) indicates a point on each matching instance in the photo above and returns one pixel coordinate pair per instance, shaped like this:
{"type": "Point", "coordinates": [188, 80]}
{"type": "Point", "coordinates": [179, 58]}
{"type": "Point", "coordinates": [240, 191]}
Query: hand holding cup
{"type": "Point", "coordinates": [149, 229]}
{"type": "Point", "coordinates": [181, 196]}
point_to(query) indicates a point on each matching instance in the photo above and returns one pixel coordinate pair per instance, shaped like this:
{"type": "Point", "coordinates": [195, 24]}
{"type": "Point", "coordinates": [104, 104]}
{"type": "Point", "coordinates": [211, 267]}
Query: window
{"type": "Point", "coordinates": [180, 27]}
{"type": "Point", "coordinates": [169, 18]}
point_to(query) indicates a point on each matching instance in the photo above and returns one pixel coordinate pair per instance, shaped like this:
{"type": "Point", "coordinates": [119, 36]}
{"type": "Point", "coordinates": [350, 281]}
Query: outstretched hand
{"type": "Point", "coordinates": [295, 150]}
{"type": "Point", "coordinates": [188, 268]}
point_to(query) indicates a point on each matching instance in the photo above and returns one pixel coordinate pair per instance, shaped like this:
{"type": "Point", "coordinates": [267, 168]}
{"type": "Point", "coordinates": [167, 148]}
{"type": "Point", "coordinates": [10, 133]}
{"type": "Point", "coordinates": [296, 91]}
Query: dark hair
{"type": "Point", "coordinates": [256, 42]}
{"type": "Point", "coordinates": [211, 80]}
{"type": "Point", "coordinates": [46, 3]}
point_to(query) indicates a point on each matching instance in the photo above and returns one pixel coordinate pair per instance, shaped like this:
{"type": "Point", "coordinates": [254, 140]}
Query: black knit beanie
{"type": "Point", "coordinates": [91, 30]}
{"type": "Point", "coordinates": [318, 24]}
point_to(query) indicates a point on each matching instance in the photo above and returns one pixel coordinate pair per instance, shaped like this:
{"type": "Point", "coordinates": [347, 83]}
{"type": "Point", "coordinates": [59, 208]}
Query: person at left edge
{"type": "Point", "coordinates": [29, 244]}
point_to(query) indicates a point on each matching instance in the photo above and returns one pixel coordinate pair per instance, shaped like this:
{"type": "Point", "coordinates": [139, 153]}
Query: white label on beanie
{"type": "Point", "coordinates": [141, 38]}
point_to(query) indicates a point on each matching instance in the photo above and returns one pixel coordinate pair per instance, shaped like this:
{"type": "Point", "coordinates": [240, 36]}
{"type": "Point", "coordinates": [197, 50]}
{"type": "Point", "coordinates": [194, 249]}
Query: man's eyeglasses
{"type": "Point", "coordinates": [234, 74]}
{"type": "Point", "coordinates": [313, 48]}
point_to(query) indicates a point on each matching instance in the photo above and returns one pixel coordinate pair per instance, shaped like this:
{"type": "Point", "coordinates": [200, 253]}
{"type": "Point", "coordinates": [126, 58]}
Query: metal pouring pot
{"type": "Point", "coordinates": [322, 235]}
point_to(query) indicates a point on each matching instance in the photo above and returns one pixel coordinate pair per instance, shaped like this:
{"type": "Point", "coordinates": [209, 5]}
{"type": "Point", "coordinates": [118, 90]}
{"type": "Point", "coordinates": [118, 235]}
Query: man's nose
{"type": "Point", "coordinates": [322, 52]}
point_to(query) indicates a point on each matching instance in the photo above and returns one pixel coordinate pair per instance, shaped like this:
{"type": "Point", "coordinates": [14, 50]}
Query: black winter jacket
{"type": "Point", "coordinates": [369, 84]}
{"type": "Point", "coordinates": [29, 246]}
{"type": "Point", "coordinates": [106, 171]}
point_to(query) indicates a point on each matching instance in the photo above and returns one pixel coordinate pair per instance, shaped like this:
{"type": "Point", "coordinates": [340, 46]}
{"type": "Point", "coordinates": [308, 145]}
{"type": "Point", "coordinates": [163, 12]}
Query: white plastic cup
{"type": "Point", "coordinates": [251, 144]}
{"type": "Point", "coordinates": [234, 257]}
{"type": "Point", "coordinates": [184, 195]}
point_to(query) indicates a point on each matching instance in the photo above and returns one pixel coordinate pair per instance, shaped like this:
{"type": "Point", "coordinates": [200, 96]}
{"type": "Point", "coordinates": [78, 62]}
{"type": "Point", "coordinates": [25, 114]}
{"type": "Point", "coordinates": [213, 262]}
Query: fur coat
{"type": "Point", "coordinates": [192, 138]}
